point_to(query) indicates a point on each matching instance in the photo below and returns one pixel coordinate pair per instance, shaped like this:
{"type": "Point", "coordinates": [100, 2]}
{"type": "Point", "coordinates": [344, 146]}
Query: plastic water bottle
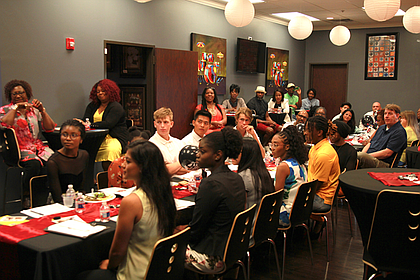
{"type": "Point", "coordinates": [87, 126]}
{"type": "Point", "coordinates": [104, 212]}
{"type": "Point", "coordinates": [192, 186]}
{"type": "Point", "coordinates": [69, 193]}
{"type": "Point", "coordinates": [197, 179]}
{"type": "Point", "coordinates": [80, 203]}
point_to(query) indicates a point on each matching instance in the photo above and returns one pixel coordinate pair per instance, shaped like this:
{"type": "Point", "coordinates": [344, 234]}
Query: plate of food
{"type": "Point", "coordinates": [98, 197]}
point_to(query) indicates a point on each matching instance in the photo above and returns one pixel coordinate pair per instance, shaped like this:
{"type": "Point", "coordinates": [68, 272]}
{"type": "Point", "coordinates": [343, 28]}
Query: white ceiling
{"type": "Point", "coordinates": [350, 12]}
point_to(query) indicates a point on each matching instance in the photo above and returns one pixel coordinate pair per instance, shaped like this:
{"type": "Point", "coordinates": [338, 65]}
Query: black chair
{"type": "Point", "coordinates": [266, 223]}
{"type": "Point", "coordinates": [168, 257]}
{"type": "Point", "coordinates": [237, 244]}
{"type": "Point", "coordinates": [38, 190]}
{"type": "Point", "coordinates": [102, 179]}
{"type": "Point", "coordinates": [300, 214]}
{"type": "Point", "coordinates": [414, 143]}
{"type": "Point", "coordinates": [394, 241]}
{"type": "Point", "coordinates": [12, 172]}
{"type": "Point", "coordinates": [129, 123]}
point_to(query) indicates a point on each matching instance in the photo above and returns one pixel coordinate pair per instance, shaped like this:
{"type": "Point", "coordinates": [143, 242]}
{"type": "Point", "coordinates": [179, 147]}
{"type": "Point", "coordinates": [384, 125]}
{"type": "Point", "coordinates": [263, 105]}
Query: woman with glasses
{"type": "Point", "coordinates": [23, 116]}
{"type": "Point", "coordinates": [289, 146]}
{"type": "Point", "coordinates": [209, 103]}
{"type": "Point", "coordinates": [69, 164]}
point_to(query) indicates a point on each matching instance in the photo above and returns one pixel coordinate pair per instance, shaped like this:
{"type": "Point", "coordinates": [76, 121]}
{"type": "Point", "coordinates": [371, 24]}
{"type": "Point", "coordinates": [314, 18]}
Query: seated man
{"type": "Point", "coordinates": [264, 123]}
{"type": "Point", "coordinates": [323, 166]}
{"type": "Point", "coordinates": [347, 155]}
{"type": "Point", "coordinates": [344, 106]}
{"type": "Point", "coordinates": [243, 118]}
{"type": "Point", "coordinates": [201, 124]}
{"type": "Point", "coordinates": [168, 145]}
{"type": "Point", "coordinates": [320, 111]}
{"type": "Point", "coordinates": [234, 103]}
{"type": "Point", "coordinates": [301, 118]}
{"type": "Point", "coordinates": [376, 107]}
{"type": "Point", "coordinates": [389, 140]}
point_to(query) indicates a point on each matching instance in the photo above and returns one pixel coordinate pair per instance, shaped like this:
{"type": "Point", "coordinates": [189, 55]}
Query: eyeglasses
{"type": "Point", "coordinates": [18, 93]}
{"type": "Point", "coordinates": [72, 135]}
{"type": "Point", "coordinates": [274, 145]}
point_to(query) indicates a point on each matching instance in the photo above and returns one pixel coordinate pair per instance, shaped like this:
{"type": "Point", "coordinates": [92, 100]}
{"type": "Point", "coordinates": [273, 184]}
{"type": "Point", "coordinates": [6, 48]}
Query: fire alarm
{"type": "Point", "coordinates": [70, 43]}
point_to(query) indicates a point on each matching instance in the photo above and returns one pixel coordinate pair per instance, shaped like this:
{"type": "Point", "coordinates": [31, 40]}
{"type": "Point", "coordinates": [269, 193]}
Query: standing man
{"type": "Point", "coordinates": [389, 141]}
{"type": "Point", "coordinates": [295, 102]}
{"type": "Point", "coordinates": [201, 124]}
{"type": "Point", "coordinates": [323, 166]}
{"type": "Point", "coordinates": [168, 145]}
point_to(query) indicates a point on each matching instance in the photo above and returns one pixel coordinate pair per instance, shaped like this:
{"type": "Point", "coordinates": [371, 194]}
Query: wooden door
{"type": "Point", "coordinates": [330, 82]}
{"type": "Point", "coordinates": [176, 86]}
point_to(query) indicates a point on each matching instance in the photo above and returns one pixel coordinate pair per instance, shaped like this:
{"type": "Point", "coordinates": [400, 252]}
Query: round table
{"type": "Point", "coordinates": [413, 157]}
{"type": "Point", "coordinates": [91, 144]}
{"type": "Point", "coordinates": [361, 191]}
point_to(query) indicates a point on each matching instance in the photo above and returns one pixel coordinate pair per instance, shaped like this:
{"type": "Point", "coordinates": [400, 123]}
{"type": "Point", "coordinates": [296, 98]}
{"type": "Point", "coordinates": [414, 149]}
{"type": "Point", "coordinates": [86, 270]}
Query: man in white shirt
{"type": "Point", "coordinates": [201, 124]}
{"type": "Point", "coordinates": [376, 107]}
{"type": "Point", "coordinates": [168, 145]}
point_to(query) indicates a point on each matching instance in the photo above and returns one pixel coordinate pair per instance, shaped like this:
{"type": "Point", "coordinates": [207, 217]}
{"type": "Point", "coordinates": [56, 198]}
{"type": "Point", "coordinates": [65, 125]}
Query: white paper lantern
{"type": "Point", "coordinates": [381, 10]}
{"type": "Point", "coordinates": [411, 20]}
{"type": "Point", "coordinates": [340, 35]}
{"type": "Point", "coordinates": [300, 27]}
{"type": "Point", "coordinates": [239, 13]}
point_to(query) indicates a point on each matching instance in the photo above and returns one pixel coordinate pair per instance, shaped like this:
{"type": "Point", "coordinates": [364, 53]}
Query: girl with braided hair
{"type": "Point", "coordinates": [291, 172]}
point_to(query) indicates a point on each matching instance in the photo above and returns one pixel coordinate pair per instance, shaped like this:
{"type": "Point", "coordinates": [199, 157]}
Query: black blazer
{"type": "Point", "coordinates": [113, 119]}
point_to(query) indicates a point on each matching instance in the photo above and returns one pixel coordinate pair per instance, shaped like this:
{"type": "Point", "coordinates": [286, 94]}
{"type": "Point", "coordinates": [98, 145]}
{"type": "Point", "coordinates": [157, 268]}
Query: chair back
{"type": "Point", "coordinates": [102, 179]}
{"type": "Point", "coordinates": [267, 220]}
{"type": "Point", "coordinates": [394, 240]}
{"type": "Point", "coordinates": [414, 143]}
{"type": "Point", "coordinates": [168, 257]}
{"type": "Point", "coordinates": [238, 241]}
{"type": "Point", "coordinates": [396, 160]}
{"type": "Point", "coordinates": [38, 190]}
{"type": "Point", "coordinates": [9, 148]}
{"type": "Point", "coordinates": [129, 123]}
{"type": "Point", "coordinates": [304, 200]}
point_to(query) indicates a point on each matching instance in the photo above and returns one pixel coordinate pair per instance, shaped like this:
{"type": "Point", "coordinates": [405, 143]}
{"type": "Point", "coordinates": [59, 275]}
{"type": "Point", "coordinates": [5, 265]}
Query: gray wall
{"type": "Point", "coordinates": [362, 93]}
{"type": "Point", "coordinates": [32, 43]}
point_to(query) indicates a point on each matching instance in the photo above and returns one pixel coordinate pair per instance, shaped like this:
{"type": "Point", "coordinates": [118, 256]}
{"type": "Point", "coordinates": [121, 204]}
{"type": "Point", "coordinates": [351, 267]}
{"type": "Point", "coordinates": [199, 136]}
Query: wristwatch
{"type": "Point", "coordinates": [13, 107]}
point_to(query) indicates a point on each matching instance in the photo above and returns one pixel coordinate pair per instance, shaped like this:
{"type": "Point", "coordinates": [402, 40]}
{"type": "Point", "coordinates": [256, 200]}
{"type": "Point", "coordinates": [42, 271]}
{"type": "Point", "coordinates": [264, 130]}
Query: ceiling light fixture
{"type": "Point", "coordinates": [291, 15]}
{"type": "Point", "coordinates": [300, 27]}
{"type": "Point", "coordinates": [411, 20]}
{"type": "Point", "coordinates": [142, 1]}
{"type": "Point", "coordinates": [239, 13]}
{"type": "Point", "coordinates": [340, 35]}
{"type": "Point", "coordinates": [381, 10]}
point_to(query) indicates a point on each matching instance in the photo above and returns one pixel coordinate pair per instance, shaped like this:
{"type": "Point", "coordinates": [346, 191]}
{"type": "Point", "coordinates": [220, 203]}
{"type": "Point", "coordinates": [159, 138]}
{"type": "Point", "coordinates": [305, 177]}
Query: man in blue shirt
{"type": "Point", "coordinates": [389, 141]}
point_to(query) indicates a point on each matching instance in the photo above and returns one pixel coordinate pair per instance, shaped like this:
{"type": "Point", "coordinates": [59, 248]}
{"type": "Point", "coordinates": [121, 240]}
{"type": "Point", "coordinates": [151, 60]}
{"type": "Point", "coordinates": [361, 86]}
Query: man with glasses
{"type": "Point", "coordinates": [301, 118]}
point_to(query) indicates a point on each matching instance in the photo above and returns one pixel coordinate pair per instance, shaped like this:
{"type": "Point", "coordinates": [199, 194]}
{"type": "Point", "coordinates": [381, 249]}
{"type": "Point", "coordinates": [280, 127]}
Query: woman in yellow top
{"type": "Point", "coordinates": [105, 111]}
{"type": "Point", "coordinates": [409, 122]}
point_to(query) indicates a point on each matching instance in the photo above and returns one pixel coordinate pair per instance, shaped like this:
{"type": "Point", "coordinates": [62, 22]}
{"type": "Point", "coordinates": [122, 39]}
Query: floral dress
{"type": "Point", "coordinates": [28, 134]}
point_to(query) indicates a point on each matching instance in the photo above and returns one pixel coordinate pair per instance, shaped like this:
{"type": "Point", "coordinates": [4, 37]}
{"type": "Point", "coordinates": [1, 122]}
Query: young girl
{"type": "Point", "coordinates": [291, 172]}
{"type": "Point", "coordinates": [220, 197]}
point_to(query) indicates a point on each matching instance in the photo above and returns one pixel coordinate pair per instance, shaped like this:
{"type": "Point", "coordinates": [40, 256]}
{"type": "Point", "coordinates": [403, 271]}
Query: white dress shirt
{"type": "Point", "coordinates": [169, 148]}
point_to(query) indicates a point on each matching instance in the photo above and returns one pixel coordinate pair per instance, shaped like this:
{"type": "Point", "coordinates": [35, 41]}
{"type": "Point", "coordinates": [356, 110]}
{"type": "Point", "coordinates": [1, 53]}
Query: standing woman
{"type": "Point", "coordinates": [23, 118]}
{"type": "Point", "coordinates": [220, 197]}
{"type": "Point", "coordinates": [68, 165]}
{"type": "Point", "coordinates": [145, 216]}
{"type": "Point", "coordinates": [348, 117]}
{"type": "Point", "coordinates": [209, 103]}
{"type": "Point", "coordinates": [105, 111]}
{"type": "Point", "coordinates": [277, 103]}
{"type": "Point", "coordinates": [291, 172]}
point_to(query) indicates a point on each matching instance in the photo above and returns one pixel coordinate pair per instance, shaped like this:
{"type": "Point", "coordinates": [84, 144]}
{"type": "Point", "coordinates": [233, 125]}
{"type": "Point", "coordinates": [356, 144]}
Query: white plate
{"type": "Point", "coordinates": [111, 197]}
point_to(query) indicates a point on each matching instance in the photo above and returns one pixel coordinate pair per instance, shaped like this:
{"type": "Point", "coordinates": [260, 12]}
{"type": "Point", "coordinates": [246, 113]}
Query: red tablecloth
{"type": "Point", "coordinates": [180, 193]}
{"type": "Point", "coordinates": [391, 179]}
{"type": "Point", "coordinates": [35, 227]}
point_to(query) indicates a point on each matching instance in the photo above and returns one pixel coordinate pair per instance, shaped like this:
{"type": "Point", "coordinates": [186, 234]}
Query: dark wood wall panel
{"type": "Point", "coordinates": [176, 86]}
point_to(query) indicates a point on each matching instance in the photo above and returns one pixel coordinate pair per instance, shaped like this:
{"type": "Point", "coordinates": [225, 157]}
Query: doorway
{"type": "Point", "coordinates": [330, 82]}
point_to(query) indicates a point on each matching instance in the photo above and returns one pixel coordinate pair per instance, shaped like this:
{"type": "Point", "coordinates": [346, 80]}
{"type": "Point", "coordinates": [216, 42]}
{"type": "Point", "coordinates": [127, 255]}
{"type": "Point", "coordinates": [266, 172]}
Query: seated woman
{"type": "Point", "coordinates": [409, 122]}
{"type": "Point", "coordinates": [310, 102]}
{"type": "Point", "coordinates": [145, 216]}
{"type": "Point", "coordinates": [234, 103]}
{"type": "Point", "coordinates": [348, 117]}
{"type": "Point", "coordinates": [23, 117]}
{"type": "Point", "coordinates": [69, 164]}
{"type": "Point", "coordinates": [220, 197]}
{"type": "Point", "coordinates": [209, 103]}
{"type": "Point", "coordinates": [116, 176]}
{"type": "Point", "coordinates": [105, 111]}
{"type": "Point", "coordinates": [279, 104]}
{"type": "Point", "coordinates": [289, 146]}
{"type": "Point", "coordinates": [252, 169]}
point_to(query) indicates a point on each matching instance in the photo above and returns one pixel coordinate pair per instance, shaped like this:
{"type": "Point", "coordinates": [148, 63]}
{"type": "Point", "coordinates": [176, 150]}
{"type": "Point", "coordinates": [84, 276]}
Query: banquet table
{"type": "Point", "coordinates": [413, 157]}
{"type": "Point", "coordinates": [361, 191]}
{"type": "Point", "coordinates": [91, 144]}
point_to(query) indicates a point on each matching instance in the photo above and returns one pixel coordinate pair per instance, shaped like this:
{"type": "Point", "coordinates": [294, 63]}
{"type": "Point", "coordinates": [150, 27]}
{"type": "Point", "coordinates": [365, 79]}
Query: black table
{"type": "Point", "coordinates": [91, 144]}
{"type": "Point", "coordinates": [413, 157]}
{"type": "Point", "coordinates": [361, 191]}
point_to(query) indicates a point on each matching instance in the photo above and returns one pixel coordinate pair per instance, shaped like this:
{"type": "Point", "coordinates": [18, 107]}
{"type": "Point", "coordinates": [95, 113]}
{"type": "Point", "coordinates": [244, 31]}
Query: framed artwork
{"type": "Point", "coordinates": [277, 74]}
{"type": "Point", "coordinates": [133, 101]}
{"type": "Point", "coordinates": [381, 56]}
{"type": "Point", "coordinates": [133, 62]}
{"type": "Point", "coordinates": [211, 62]}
